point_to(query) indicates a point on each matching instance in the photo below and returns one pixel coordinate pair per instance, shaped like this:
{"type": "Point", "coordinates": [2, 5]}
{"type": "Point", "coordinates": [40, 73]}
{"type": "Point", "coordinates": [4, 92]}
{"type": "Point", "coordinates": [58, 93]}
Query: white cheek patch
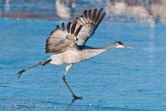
{"type": "Point", "coordinates": [120, 46]}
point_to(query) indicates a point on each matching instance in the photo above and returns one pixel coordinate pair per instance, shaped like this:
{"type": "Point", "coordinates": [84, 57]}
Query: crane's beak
{"type": "Point", "coordinates": [126, 46]}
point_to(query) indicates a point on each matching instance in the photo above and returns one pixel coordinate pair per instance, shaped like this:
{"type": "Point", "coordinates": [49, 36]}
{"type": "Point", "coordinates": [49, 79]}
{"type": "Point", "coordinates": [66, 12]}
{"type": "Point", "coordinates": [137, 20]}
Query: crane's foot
{"type": "Point", "coordinates": [19, 73]}
{"type": "Point", "coordinates": [76, 97]}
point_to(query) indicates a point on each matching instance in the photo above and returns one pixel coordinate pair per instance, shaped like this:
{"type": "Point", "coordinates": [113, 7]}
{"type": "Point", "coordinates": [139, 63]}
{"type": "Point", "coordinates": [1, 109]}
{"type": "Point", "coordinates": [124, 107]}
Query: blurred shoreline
{"type": "Point", "coordinates": [151, 11]}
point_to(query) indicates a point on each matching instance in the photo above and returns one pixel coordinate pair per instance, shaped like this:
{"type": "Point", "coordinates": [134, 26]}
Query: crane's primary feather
{"type": "Point", "coordinates": [60, 41]}
{"type": "Point", "coordinates": [89, 21]}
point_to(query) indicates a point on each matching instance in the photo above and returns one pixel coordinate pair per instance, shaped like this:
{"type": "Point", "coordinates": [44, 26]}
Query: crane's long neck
{"type": "Point", "coordinates": [92, 52]}
{"type": "Point", "coordinates": [110, 46]}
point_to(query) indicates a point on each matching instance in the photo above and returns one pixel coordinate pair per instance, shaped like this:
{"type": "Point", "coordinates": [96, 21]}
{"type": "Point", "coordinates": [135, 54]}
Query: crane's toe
{"type": "Point", "coordinates": [76, 97]}
{"type": "Point", "coordinates": [20, 72]}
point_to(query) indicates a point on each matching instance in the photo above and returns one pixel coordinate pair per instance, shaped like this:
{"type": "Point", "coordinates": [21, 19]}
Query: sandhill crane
{"type": "Point", "coordinates": [68, 45]}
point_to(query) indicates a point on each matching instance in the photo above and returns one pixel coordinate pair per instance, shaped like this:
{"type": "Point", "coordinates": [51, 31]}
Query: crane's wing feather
{"type": "Point", "coordinates": [76, 33]}
{"type": "Point", "coordinates": [61, 40]}
{"type": "Point", "coordinates": [89, 21]}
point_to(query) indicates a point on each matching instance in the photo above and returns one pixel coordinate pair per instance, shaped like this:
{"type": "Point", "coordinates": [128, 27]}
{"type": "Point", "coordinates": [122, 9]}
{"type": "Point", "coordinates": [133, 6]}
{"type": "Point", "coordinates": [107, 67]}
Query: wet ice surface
{"type": "Point", "coordinates": [118, 80]}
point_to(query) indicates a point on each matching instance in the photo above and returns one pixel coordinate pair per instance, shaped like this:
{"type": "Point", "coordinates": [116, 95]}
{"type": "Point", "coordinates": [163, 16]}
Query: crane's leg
{"type": "Point", "coordinates": [40, 63]}
{"type": "Point", "coordinates": [63, 78]}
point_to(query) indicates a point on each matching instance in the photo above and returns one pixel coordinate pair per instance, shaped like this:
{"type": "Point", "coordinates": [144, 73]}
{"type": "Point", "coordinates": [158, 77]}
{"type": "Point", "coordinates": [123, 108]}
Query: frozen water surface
{"type": "Point", "coordinates": [118, 80]}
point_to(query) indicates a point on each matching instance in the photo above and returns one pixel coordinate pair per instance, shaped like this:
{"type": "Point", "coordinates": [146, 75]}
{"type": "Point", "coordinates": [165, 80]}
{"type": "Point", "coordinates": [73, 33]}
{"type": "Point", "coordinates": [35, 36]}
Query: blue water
{"type": "Point", "coordinates": [118, 80]}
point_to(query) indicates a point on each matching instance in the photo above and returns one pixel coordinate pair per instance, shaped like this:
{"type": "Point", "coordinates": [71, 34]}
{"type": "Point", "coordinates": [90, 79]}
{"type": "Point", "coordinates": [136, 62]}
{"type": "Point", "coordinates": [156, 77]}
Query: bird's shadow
{"type": "Point", "coordinates": [71, 103]}
{"type": "Point", "coordinates": [67, 106]}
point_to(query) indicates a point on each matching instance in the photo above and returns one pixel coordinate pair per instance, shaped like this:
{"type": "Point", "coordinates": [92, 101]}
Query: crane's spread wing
{"type": "Point", "coordinates": [61, 40]}
{"type": "Point", "coordinates": [89, 21]}
{"type": "Point", "coordinates": [76, 33]}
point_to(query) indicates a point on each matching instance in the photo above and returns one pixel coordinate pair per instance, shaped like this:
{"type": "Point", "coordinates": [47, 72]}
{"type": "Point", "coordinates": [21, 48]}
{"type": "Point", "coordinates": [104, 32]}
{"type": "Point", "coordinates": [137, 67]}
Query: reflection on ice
{"type": "Point", "coordinates": [64, 7]}
{"type": "Point", "coordinates": [7, 5]}
{"type": "Point", "coordinates": [145, 11]}
{"type": "Point", "coordinates": [151, 11]}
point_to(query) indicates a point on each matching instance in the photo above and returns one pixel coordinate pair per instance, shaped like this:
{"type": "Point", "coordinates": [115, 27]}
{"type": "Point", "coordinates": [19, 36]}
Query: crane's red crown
{"type": "Point", "coordinates": [120, 43]}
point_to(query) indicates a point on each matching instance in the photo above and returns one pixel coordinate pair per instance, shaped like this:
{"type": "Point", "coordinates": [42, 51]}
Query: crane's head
{"type": "Point", "coordinates": [121, 45]}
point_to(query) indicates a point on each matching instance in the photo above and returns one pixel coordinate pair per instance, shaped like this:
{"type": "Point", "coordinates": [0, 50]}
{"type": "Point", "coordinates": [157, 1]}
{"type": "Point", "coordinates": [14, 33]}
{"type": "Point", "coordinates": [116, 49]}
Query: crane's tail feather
{"type": "Point", "coordinates": [40, 63]}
